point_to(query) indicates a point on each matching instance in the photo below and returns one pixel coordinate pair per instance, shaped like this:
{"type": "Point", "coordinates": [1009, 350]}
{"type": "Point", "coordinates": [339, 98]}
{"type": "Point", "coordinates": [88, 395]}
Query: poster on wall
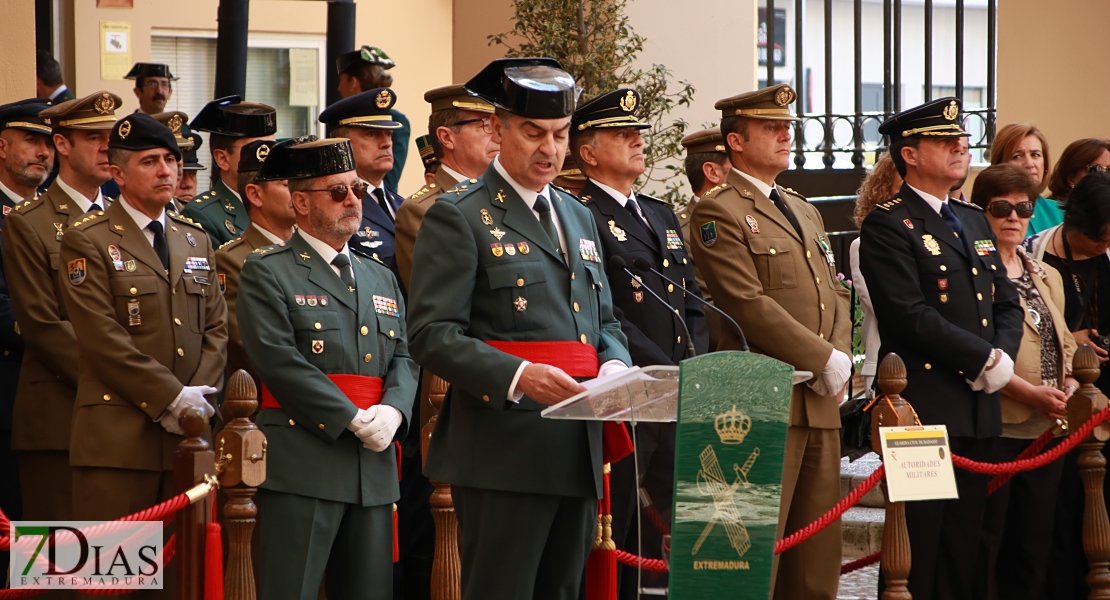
{"type": "Point", "coordinates": [115, 50]}
{"type": "Point", "coordinates": [304, 88]}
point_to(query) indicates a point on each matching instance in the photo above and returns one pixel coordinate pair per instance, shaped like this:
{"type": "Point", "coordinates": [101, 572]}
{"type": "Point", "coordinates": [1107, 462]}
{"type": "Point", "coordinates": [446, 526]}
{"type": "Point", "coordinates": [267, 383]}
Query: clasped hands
{"type": "Point", "coordinates": [376, 426]}
{"type": "Point", "coordinates": [189, 397]}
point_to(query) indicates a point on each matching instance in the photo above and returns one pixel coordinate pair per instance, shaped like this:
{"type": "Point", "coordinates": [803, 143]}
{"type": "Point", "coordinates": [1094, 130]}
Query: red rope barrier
{"type": "Point", "coordinates": [824, 520]}
{"type": "Point", "coordinates": [1028, 464]}
{"type": "Point", "coordinates": [1032, 450]}
{"type": "Point", "coordinates": [860, 563]}
{"type": "Point", "coordinates": [649, 564]}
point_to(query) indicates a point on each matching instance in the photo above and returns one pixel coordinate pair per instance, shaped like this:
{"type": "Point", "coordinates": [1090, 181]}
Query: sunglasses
{"type": "Point", "coordinates": [339, 192]}
{"type": "Point", "coordinates": [1097, 169]}
{"type": "Point", "coordinates": [487, 126]}
{"type": "Point", "coordinates": [1002, 209]}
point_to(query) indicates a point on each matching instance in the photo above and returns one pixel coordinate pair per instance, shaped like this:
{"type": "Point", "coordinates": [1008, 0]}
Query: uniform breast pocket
{"type": "Point", "coordinates": [593, 274]}
{"type": "Point", "coordinates": [196, 298]}
{"type": "Point", "coordinates": [389, 331]}
{"type": "Point", "coordinates": [138, 308]}
{"type": "Point", "coordinates": [521, 288]}
{"type": "Point", "coordinates": [774, 262]}
{"type": "Point", "coordinates": [318, 337]}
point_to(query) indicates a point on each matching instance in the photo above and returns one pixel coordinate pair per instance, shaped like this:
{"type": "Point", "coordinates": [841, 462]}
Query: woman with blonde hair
{"type": "Point", "coordinates": [1025, 145]}
{"type": "Point", "coordinates": [881, 184]}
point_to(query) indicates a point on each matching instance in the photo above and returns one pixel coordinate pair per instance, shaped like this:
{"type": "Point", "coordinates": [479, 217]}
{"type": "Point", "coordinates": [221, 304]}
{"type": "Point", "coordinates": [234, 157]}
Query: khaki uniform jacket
{"type": "Point", "coordinates": [48, 378]}
{"type": "Point", "coordinates": [229, 265]}
{"type": "Point", "coordinates": [780, 288]}
{"type": "Point", "coordinates": [712, 319]}
{"type": "Point", "coordinates": [1027, 363]}
{"type": "Point", "coordinates": [142, 334]}
{"type": "Point", "coordinates": [409, 217]}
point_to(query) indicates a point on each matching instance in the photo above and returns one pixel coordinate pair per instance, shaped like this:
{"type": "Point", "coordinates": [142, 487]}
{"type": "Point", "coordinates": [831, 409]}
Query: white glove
{"type": "Point", "coordinates": [170, 424]}
{"type": "Point", "coordinates": [362, 417]}
{"type": "Point", "coordinates": [996, 377]}
{"type": "Point", "coordinates": [192, 397]}
{"type": "Point", "coordinates": [612, 366]}
{"type": "Point", "coordinates": [837, 371]}
{"type": "Point", "coordinates": [379, 431]}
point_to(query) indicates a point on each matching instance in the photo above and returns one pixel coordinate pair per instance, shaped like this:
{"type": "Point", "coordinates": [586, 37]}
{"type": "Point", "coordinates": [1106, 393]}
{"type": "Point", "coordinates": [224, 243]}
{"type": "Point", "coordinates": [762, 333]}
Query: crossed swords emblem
{"type": "Point", "coordinates": [711, 482]}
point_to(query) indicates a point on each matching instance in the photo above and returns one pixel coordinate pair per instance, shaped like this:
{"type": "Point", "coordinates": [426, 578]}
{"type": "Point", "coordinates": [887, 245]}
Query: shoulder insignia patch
{"type": "Point", "coordinates": [967, 204]}
{"type": "Point", "coordinates": [716, 189]}
{"type": "Point", "coordinates": [709, 233]}
{"type": "Point", "coordinates": [76, 271]}
{"type": "Point", "coordinates": [889, 204]}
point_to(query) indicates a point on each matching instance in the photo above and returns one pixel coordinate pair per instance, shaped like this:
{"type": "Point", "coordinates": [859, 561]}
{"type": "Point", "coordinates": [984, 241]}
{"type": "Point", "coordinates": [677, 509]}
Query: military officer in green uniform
{"type": "Point", "coordinates": [153, 86]}
{"type": "Point", "coordinates": [233, 124]}
{"type": "Point", "coordinates": [272, 222]}
{"type": "Point", "coordinates": [510, 304]}
{"type": "Point", "coordinates": [325, 329]}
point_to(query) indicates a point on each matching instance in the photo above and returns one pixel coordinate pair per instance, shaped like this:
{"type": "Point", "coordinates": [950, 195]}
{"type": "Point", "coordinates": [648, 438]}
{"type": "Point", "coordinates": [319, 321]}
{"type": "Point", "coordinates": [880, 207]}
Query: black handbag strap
{"type": "Point", "coordinates": [1085, 291]}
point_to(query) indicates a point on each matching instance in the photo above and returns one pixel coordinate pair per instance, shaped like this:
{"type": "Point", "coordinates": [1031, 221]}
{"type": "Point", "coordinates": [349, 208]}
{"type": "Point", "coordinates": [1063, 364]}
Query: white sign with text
{"type": "Point", "coordinates": [918, 463]}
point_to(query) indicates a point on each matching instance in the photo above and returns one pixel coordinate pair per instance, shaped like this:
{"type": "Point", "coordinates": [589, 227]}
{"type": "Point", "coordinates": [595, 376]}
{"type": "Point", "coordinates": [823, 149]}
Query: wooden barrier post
{"type": "Point", "coordinates": [1084, 403]}
{"type": "Point", "coordinates": [192, 462]}
{"type": "Point", "coordinates": [896, 538]}
{"type": "Point", "coordinates": [446, 566]}
{"type": "Point", "coordinates": [241, 463]}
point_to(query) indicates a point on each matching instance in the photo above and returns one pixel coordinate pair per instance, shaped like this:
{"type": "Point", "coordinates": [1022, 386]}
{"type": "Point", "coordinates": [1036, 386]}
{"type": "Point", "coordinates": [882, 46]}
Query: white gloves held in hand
{"type": "Point", "coordinates": [835, 376]}
{"type": "Point", "coordinates": [188, 397]}
{"type": "Point", "coordinates": [376, 426]}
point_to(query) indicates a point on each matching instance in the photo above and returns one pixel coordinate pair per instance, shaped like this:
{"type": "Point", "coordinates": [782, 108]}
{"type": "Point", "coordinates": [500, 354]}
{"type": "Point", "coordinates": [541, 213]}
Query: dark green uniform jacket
{"type": "Point", "coordinates": [300, 323]}
{"type": "Point", "coordinates": [220, 212]}
{"type": "Point", "coordinates": [484, 269]}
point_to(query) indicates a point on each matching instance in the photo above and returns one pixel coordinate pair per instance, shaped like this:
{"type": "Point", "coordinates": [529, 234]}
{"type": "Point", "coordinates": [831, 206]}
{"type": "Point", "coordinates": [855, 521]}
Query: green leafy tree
{"type": "Point", "coordinates": [595, 43]}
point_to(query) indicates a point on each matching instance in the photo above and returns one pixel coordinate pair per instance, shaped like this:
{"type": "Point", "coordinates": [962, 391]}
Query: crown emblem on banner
{"type": "Point", "coordinates": [732, 426]}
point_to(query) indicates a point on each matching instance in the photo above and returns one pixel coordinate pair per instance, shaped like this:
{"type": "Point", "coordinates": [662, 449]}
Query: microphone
{"type": "Point", "coordinates": [644, 265]}
{"type": "Point", "coordinates": [616, 262]}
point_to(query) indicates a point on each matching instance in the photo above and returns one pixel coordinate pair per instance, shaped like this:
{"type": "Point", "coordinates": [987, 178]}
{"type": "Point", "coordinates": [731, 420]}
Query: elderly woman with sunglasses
{"type": "Point", "coordinates": [1013, 554]}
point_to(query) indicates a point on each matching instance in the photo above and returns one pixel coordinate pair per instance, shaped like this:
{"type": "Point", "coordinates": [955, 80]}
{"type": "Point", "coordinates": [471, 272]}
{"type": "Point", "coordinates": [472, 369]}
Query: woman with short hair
{"type": "Point", "coordinates": [1019, 515]}
{"type": "Point", "coordinates": [1025, 145]}
{"type": "Point", "coordinates": [1081, 157]}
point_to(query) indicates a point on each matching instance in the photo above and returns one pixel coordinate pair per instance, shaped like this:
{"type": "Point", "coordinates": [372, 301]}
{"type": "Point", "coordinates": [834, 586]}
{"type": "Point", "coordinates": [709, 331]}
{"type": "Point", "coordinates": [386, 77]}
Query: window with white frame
{"type": "Point", "coordinates": [191, 56]}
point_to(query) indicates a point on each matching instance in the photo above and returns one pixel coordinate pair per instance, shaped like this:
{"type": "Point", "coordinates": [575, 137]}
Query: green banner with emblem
{"type": "Point", "coordinates": [733, 412]}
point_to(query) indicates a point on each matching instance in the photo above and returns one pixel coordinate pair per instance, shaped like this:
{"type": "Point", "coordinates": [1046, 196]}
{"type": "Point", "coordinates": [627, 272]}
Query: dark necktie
{"type": "Point", "coordinates": [160, 247]}
{"type": "Point", "coordinates": [94, 207]}
{"type": "Point", "coordinates": [785, 210]}
{"type": "Point", "coordinates": [379, 193]}
{"type": "Point", "coordinates": [951, 219]}
{"type": "Point", "coordinates": [631, 206]}
{"type": "Point", "coordinates": [548, 224]}
{"type": "Point", "coordinates": [343, 263]}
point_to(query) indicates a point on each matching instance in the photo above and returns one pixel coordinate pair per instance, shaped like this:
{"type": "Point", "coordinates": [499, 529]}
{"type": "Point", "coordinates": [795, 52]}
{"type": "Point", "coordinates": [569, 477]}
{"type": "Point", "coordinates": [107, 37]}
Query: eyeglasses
{"type": "Point", "coordinates": [155, 84]}
{"type": "Point", "coordinates": [339, 192]}
{"type": "Point", "coordinates": [1097, 169]}
{"type": "Point", "coordinates": [1002, 209]}
{"type": "Point", "coordinates": [487, 126]}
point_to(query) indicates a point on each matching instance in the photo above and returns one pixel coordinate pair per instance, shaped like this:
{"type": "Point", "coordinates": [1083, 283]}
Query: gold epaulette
{"type": "Point", "coordinates": [177, 217]}
{"type": "Point", "coordinates": [889, 204]}
{"type": "Point", "coordinates": [967, 204]}
{"type": "Point", "coordinates": [793, 192]}
{"type": "Point", "coordinates": [90, 218]}
{"type": "Point", "coordinates": [424, 190]}
{"type": "Point", "coordinates": [230, 243]}
{"type": "Point", "coordinates": [715, 190]}
{"type": "Point", "coordinates": [263, 251]}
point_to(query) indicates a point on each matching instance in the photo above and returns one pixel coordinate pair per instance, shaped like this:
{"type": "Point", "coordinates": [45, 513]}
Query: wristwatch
{"type": "Point", "coordinates": [992, 359]}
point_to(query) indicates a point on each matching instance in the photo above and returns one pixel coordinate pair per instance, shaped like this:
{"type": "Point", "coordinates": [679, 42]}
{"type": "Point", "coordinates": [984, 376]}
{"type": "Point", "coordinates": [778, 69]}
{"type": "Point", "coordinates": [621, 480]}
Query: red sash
{"type": "Point", "coordinates": [574, 358]}
{"type": "Point", "coordinates": [577, 360]}
{"type": "Point", "coordinates": [361, 390]}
